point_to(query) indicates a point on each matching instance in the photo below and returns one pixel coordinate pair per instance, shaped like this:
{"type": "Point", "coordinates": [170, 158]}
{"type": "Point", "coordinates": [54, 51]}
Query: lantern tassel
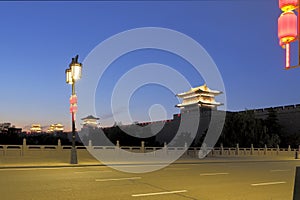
{"type": "Point", "coordinates": [287, 54]}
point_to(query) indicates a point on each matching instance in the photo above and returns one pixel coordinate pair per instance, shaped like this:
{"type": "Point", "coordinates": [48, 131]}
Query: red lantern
{"type": "Point", "coordinates": [288, 5]}
{"type": "Point", "coordinates": [73, 99]}
{"type": "Point", "coordinates": [73, 108]}
{"type": "Point", "coordinates": [287, 27]}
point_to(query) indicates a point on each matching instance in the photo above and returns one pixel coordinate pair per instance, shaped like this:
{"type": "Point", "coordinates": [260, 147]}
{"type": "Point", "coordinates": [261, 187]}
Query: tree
{"type": "Point", "coordinates": [245, 129]}
{"type": "Point", "coordinates": [274, 130]}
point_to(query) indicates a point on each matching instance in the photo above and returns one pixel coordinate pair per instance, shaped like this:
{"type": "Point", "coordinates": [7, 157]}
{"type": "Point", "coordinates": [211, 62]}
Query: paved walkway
{"type": "Point", "coordinates": [34, 161]}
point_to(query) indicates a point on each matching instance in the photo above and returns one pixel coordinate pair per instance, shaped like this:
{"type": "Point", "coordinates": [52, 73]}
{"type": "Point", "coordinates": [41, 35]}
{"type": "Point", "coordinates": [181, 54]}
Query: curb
{"type": "Point", "coordinates": [200, 162]}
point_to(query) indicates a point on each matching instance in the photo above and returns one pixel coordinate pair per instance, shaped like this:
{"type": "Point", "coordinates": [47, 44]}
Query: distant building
{"type": "Point", "coordinates": [35, 128]}
{"type": "Point", "coordinates": [4, 127]}
{"type": "Point", "coordinates": [10, 129]}
{"type": "Point", "coordinates": [198, 105]}
{"type": "Point", "coordinates": [90, 121]}
{"type": "Point", "coordinates": [200, 96]}
{"type": "Point", "coordinates": [54, 128]}
{"type": "Point", "coordinates": [14, 130]}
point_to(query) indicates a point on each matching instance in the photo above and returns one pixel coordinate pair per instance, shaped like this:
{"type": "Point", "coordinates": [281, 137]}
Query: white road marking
{"type": "Point", "coordinates": [268, 183]}
{"type": "Point", "coordinates": [29, 169]}
{"type": "Point", "coordinates": [117, 179]}
{"type": "Point", "coordinates": [44, 168]}
{"type": "Point", "coordinates": [280, 162]}
{"type": "Point", "coordinates": [83, 172]}
{"type": "Point", "coordinates": [178, 168]}
{"type": "Point", "coordinates": [213, 174]}
{"type": "Point", "coordinates": [127, 166]}
{"type": "Point", "coordinates": [280, 170]}
{"type": "Point", "coordinates": [158, 193]}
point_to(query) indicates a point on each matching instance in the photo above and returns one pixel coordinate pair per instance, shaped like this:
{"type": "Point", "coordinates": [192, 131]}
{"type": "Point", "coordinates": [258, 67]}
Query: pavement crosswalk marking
{"type": "Point", "coordinates": [158, 193]}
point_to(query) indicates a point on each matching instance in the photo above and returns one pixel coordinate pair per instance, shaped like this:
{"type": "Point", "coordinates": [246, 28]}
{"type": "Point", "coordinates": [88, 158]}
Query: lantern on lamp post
{"type": "Point", "coordinates": [288, 25]}
{"type": "Point", "coordinates": [73, 74]}
{"type": "Point", "coordinates": [288, 5]}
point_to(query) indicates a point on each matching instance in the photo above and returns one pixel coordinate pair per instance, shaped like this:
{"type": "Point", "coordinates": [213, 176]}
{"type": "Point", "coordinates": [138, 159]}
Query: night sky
{"type": "Point", "coordinates": [38, 40]}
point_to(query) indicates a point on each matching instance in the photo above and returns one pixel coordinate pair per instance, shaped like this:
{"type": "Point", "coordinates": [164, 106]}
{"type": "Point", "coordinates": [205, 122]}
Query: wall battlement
{"type": "Point", "coordinates": [288, 117]}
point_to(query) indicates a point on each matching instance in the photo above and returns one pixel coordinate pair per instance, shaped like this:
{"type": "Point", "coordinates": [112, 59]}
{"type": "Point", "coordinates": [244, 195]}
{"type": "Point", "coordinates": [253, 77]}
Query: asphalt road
{"type": "Point", "coordinates": [272, 180]}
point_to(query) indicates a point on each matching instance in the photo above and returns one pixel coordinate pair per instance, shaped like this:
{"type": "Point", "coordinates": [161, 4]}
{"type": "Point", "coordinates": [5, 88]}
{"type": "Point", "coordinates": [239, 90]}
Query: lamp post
{"type": "Point", "coordinates": [73, 74]}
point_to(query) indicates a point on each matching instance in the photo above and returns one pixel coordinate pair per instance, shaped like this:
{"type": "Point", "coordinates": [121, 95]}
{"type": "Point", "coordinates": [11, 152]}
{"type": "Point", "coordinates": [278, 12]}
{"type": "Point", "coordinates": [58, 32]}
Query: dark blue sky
{"type": "Point", "coordinates": [38, 40]}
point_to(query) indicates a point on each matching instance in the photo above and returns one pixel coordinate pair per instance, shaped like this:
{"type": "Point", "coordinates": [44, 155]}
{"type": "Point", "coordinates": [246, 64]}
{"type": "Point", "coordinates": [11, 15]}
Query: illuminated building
{"type": "Point", "coordinates": [200, 96]}
{"type": "Point", "coordinates": [35, 128]}
{"type": "Point", "coordinates": [90, 121]}
{"type": "Point", "coordinates": [55, 128]}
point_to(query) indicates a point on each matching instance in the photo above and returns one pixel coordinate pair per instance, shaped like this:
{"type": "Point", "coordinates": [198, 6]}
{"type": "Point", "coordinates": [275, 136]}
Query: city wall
{"type": "Point", "coordinates": [288, 117]}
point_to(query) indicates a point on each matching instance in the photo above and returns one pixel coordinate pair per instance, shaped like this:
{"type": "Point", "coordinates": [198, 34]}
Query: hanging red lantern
{"type": "Point", "coordinates": [287, 27]}
{"type": "Point", "coordinates": [288, 5]}
{"type": "Point", "coordinates": [73, 108]}
{"type": "Point", "coordinates": [73, 99]}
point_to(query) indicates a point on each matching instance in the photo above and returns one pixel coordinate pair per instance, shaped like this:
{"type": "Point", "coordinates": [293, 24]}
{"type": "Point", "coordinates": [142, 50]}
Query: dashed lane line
{"type": "Point", "coordinates": [158, 193]}
{"type": "Point", "coordinates": [118, 179]}
{"type": "Point", "coordinates": [268, 183]}
{"type": "Point", "coordinates": [280, 170]}
{"type": "Point", "coordinates": [95, 171]}
{"type": "Point", "coordinates": [213, 174]}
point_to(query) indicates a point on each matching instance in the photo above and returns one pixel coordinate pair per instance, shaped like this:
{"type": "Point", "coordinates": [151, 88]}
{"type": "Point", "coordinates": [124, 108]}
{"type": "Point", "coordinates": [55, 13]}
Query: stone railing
{"type": "Point", "coordinates": [192, 152]}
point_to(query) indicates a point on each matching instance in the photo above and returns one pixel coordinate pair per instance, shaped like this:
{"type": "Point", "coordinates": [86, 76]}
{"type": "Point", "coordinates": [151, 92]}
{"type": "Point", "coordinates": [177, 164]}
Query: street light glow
{"type": "Point", "coordinates": [76, 70]}
{"type": "Point", "coordinates": [69, 78]}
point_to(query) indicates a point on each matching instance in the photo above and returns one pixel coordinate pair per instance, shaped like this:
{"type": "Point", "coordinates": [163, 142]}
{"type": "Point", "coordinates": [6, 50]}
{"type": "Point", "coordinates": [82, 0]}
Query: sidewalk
{"type": "Point", "coordinates": [46, 162]}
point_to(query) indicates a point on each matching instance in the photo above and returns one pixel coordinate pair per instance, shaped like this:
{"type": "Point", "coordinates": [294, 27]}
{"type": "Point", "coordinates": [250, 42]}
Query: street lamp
{"type": "Point", "coordinates": [73, 74]}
